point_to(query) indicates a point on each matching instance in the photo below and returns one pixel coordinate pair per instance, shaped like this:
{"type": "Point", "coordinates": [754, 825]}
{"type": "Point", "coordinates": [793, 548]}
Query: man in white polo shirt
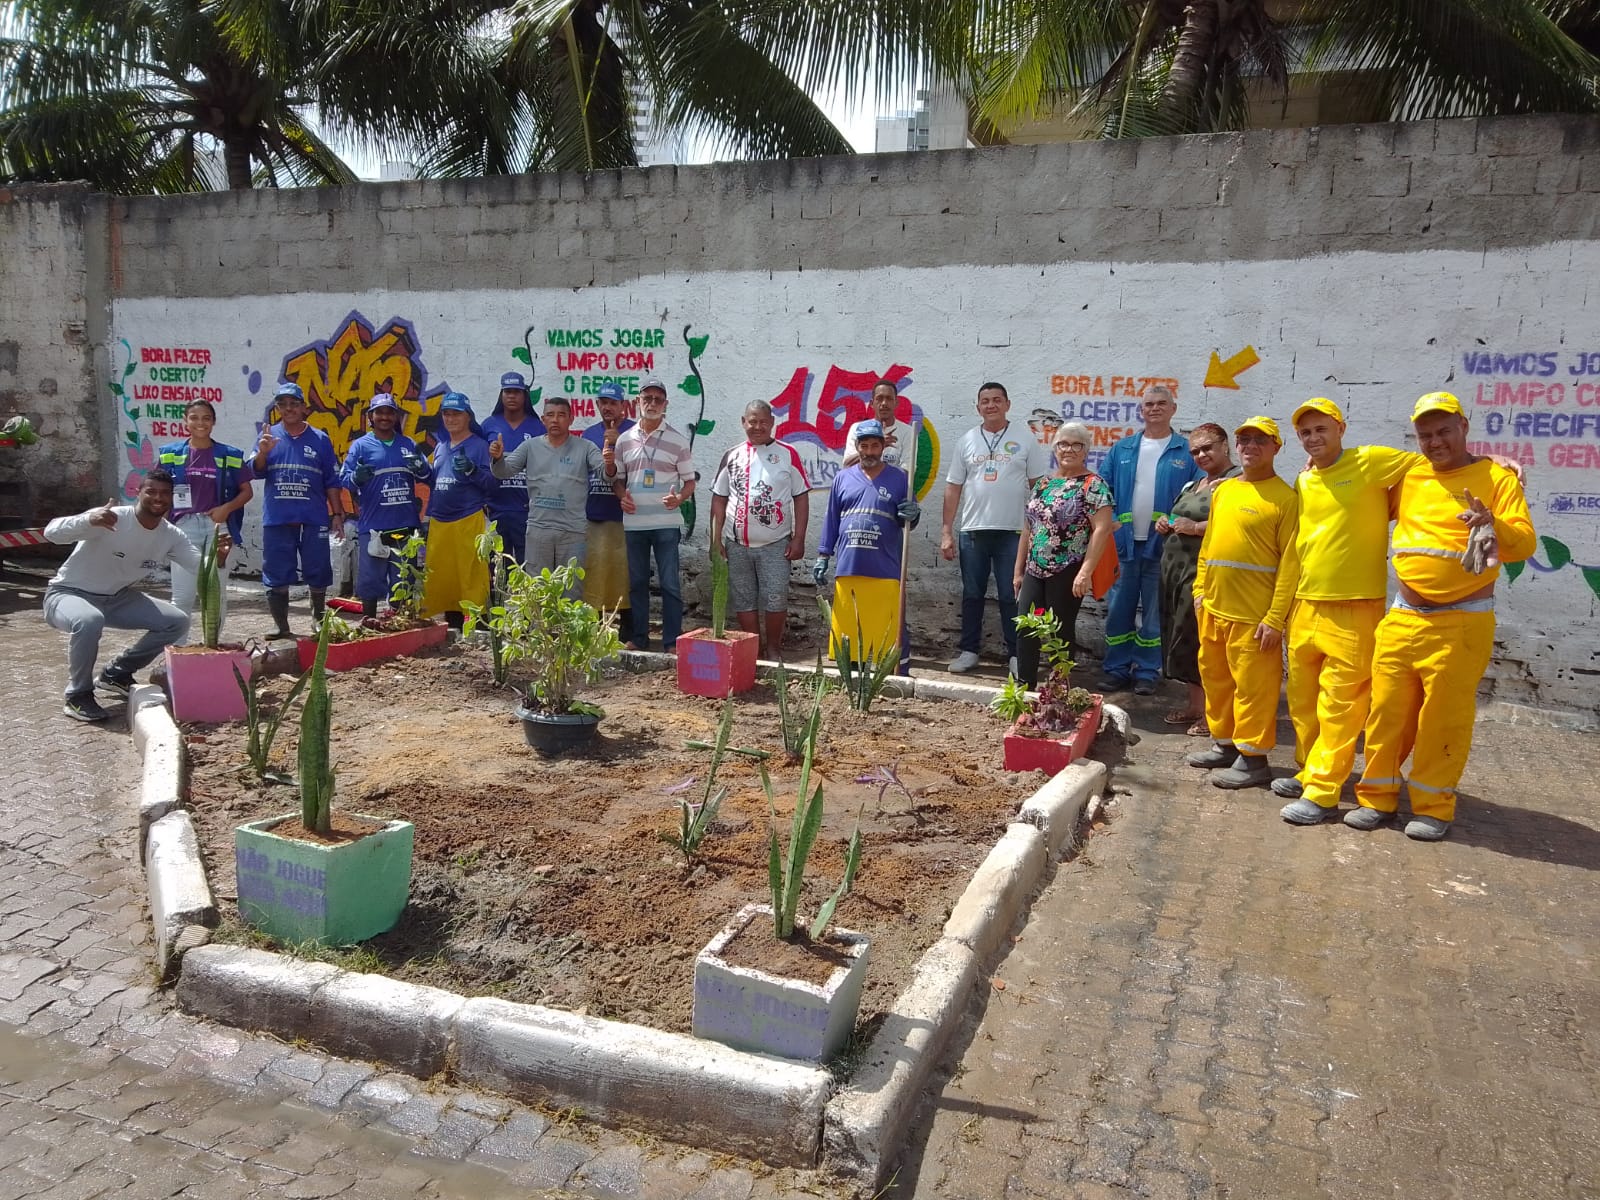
{"type": "Point", "coordinates": [993, 467]}
{"type": "Point", "coordinates": [760, 505]}
{"type": "Point", "coordinates": [658, 473]}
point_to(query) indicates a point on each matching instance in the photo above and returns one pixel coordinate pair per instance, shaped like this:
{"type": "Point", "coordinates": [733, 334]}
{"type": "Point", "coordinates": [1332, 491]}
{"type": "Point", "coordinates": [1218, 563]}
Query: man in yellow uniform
{"type": "Point", "coordinates": [1243, 587]}
{"type": "Point", "coordinates": [1460, 517]}
{"type": "Point", "coordinates": [1344, 575]}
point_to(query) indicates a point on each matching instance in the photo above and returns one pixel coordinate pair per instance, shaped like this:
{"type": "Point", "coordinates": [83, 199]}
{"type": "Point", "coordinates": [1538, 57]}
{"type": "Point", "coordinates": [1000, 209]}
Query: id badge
{"type": "Point", "coordinates": [991, 472]}
{"type": "Point", "coordinates": [649, 477]}
{"type": "Point", "coordinates": [180, 496]}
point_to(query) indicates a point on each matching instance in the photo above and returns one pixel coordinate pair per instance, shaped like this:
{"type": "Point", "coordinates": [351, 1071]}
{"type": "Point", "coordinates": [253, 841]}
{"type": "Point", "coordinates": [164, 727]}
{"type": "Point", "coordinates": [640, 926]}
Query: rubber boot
{"type": "Point", "coordinates": [319, 605]}
{"type": "Point", "coordinates": [1221, 754]}
{"type": "Point", "coordinates": [455, 620]}
{"type": "Point", "coordinates": [278, 608]}
{"type": "Point", "coordinates": [1250, 771]}
{"type": "Point", "coordinates": [369, 607]}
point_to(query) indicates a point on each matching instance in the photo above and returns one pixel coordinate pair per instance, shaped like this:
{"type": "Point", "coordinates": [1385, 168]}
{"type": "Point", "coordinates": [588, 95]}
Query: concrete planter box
{"type": "Point", "coordinates": [752, 1010]}
{"type": "Point", "coordinates": [342, 656]}
{"type": "Point", "coordinates": [1052, 754]}
{"type": "Point", "coordinates": [201, 683]}
{"type": "Point", "coordinates": [717, 667]}
{"type": "Point", "coordinates": [333, 895]}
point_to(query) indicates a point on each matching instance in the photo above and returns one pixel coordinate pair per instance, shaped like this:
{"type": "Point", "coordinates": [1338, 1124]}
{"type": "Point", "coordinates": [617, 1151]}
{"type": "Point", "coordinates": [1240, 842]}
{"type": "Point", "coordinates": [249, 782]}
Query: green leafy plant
{"type": "Point", "coordinates": [1012, 702]}
{"type": "Point", "coordinates": [719, 593]}
{"type": "Point", "coordinates": [695, 820]}
{"type": "Point", "coordinates": [565, 640]}
{"type": "Point", "coordinates": [786, 866]}
{"type": "Point", "coordinates": [863, 679]}
{"type": "Point", "coordinates": [797, 731]}
{"type": "Point", "coordinates": [339, 630]}
{"type": "Point", "coordinates": [490, 546]}
{"type": "Point", "coordinates": [208, 593]}
{"type": "Point", "coordinates": [1059, 704]}
{"type": "Point", "coordinates": [409, 589]}
{"type": "Point", "coordinates": [316, 729]}
{"type": "Point", "coordinates": [260, 731]}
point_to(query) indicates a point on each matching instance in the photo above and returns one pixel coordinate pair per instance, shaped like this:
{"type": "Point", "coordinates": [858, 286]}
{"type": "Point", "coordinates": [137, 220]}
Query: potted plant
{"type": "Point", "coordinates": [714, 662]}
{"type": "Point", "coordinates": [319, 878]}
{"type": "Point", "coordinates": [536, 619]}
{"type": "Point", "coordinates": [399, 631]}
{"type": "Point", "coordinates": [796, 993]}
{"type": "Point", "coordinates": [200, 679]}
{"type": "Point", "coordinates": [1055, 727]}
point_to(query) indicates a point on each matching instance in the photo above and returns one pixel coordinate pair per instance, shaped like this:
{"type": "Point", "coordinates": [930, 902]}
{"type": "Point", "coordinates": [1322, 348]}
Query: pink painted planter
{"type": "Point", "coordinates": [716, 667]}
{"type": "Point", "coordinates": [201, 683]}
{"type": "Point", "coordinates": [1052, 754]}
{"type": "Point", "coordinates": [342, 656]}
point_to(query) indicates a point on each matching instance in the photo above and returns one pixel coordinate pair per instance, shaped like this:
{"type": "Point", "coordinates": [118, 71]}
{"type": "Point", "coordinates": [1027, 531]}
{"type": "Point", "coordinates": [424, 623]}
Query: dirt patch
{"type": "Point", "coordinates": [548, 881]}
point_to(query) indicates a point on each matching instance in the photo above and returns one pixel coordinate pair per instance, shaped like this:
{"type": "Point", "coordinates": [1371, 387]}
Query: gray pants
{"type": "Point", "coordinates": [85, 614]}
{"type": "Point", "coordinates": [552, 548]}
{"type": "Point", "coordinates": [199, 529]}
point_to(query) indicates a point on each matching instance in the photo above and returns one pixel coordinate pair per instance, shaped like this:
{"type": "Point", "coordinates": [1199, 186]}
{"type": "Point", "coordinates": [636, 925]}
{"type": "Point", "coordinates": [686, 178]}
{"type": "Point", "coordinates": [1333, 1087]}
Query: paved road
{"type": "Point", "coordinates": [1206, 1003]}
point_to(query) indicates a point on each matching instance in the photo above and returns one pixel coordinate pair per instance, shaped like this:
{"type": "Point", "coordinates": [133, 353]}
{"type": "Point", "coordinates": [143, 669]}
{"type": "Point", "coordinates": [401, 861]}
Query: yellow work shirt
{"type": "Point", "coordinates": [1344, 523]}
{"type": "Point", "coordinates": [1249, 563]}
{"type": "Point", "coordinates": [1429, 535]}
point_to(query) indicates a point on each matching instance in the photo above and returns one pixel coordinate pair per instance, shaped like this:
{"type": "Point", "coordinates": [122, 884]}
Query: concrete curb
{"type": "Point", "coordinates": [1056, 809]}
{"type": "Point", "coordinates": [156, 738]}
{"type": "Point", "coordinates": [175, 878]}
{"type": "Point", "coordinates": [949, 689]}
{"type": "Point", "coordinates": [998, 890]}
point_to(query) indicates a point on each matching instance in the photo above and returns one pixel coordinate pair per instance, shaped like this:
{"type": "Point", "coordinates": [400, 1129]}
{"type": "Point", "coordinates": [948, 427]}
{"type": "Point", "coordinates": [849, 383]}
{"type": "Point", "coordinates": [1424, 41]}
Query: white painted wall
{"type": "Point", "coordinates": [1371, 330]}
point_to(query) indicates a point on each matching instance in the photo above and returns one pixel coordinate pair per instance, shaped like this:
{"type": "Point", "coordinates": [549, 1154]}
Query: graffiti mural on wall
{"type": "Point", "coordinates": [845, 399]}
{"type": "Point", "coordinates": [1107, 403]}
{"type": "Point", "coordinates": [359, 360]}
{"type": "Point", "coordinates": [153, 385]}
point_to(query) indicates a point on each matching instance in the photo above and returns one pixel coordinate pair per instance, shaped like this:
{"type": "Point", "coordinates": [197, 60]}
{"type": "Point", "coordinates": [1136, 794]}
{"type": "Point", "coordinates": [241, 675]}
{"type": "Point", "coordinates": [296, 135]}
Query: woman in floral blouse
{"type": "Point", "coordinates": [1068, 528]}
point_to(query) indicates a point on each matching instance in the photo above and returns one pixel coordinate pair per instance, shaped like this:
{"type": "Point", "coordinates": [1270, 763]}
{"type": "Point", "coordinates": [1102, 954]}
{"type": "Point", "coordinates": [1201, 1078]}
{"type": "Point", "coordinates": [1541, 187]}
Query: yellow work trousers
{"type": "Point", "coordinates": [1330, 685]}
{"type": "Point", "coordinates": [867, 611]}
{"type": "Point", "coordinates": [1425, 673]}
{"type": "Point", "coordinates": [1242, 683]}
{"type": "Point", "coordinates": [455, 572]}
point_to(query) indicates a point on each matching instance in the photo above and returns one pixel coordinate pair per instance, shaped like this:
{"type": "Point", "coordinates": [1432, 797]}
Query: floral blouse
{"type": "Point", "coordinates": [1059, 512]}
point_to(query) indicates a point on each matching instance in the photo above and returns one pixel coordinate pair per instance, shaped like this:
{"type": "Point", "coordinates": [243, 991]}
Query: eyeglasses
{"type": "Point", "coordinates": [652, 399]}
{"type": "Point", "coordinates": [1255, 439]}
{"type": "Point", "coordinates": [1203, 448]}
{"type": "Point", "coordinates": [1072, 446]}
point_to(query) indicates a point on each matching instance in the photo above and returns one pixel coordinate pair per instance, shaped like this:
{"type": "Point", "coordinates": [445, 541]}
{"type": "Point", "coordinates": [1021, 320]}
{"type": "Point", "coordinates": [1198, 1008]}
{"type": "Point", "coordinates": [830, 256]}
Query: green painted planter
{"type": "Point", "coordinates": [334, 895]}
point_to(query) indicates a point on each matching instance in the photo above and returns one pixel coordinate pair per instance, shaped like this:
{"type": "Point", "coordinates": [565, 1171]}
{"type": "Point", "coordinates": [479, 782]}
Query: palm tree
{"type": "Point", "coordinates": [1173, 66]}
{"type": "Point", "coordinates": [142, 95]}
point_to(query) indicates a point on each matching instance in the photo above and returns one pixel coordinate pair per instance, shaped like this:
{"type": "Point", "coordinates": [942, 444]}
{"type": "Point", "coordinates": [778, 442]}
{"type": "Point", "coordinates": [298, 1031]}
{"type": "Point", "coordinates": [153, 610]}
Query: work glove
{"type": "Point", "coordinates": [416, 464]}
{"type": "Point", "coordinates": [1482, 550]}
{"type": "Point", "coordinates": [362, 475]}
{"type": "Point", "coordinates": [463, 466]}
{"type": "Point", "coordinates": [819, 570]}
{"type": "Point", "coordinates": [909, 511]}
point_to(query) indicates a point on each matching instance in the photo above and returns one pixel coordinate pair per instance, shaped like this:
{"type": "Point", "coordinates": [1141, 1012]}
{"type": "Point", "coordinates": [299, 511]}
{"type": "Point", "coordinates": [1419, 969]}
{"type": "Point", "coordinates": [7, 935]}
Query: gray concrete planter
{"type": "Point", "coordinates": [752, 1010]}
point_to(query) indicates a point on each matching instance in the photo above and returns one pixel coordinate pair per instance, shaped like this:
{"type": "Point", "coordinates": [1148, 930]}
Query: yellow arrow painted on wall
{"type": "Point", "coordinates": [1223, 374]}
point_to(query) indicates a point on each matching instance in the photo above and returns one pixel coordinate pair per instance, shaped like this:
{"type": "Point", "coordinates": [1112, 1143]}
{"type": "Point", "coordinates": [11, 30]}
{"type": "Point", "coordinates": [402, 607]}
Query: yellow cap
{"type": "Point", "coordinates": [1437, 402]}
{"type": "Point", "coordinates": [1264, 425]}
{"type": "Point", "coordinates": [1320, 404]}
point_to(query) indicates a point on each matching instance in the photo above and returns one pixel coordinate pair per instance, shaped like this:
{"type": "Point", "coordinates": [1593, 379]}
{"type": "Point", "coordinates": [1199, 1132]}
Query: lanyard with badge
{"type": "Point", "coordinates": [650, 458]}
{"type": "Point", "coordinates": [991, 467]}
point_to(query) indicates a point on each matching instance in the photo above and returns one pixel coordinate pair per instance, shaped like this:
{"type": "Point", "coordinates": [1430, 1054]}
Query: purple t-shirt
{"type": "Point", "coordinates": [200, 478]}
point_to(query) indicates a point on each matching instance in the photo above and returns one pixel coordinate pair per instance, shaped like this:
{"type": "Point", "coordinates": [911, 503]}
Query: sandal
{"type": "Point", "coordinates": [1177, 716]}
{"type": "Point", "coordinates": [1198, 729]}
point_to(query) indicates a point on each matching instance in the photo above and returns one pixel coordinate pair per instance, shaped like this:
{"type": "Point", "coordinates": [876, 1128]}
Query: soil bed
{"type": "Point", "coordinates": [548, 880]}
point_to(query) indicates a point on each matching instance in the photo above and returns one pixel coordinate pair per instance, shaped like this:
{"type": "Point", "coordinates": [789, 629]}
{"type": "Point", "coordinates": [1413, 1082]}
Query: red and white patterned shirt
{"type": "Point", "coordinates": [760, 483]}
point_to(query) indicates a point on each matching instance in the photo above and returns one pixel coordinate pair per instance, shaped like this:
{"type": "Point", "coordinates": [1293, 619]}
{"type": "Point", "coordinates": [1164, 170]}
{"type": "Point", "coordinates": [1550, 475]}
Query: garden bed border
{"type": "Point", "coordinates": [785, 1113]}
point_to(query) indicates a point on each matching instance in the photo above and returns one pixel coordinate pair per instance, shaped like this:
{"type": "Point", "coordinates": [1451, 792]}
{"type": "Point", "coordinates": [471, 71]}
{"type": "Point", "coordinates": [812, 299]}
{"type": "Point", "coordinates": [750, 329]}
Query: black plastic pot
{"type": "Point", "coordinates": [551, 734]}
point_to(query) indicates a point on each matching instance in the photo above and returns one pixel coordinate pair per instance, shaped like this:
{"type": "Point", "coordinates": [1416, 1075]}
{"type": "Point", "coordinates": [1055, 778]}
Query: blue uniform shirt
{"type": "Point", "coordinates": [861, 530]}
{"type": "Point", "coordinates": [300, 470]}
{"type": "Point", "coordinates": [389, 499]}
{"type": "Point", "coordinates": [510, 496]}
{"type": "Point", "coordinates": [457, 496]}
{"type": "Point", "coordinates": [603, 505]}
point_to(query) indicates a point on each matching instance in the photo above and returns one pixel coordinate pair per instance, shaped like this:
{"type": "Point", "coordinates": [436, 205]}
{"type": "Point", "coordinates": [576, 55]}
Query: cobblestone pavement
{"type": "Point", "coordinates": [1210, 1002]}
{"type": "Point", "coordinates": [105, 1090]}
{"type": "Point", "coordinates": [1207, 1002]}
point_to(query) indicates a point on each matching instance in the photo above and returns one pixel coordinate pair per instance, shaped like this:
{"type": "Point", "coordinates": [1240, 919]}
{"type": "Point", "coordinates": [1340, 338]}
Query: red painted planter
{"type": "Point", "coordinates": [342, 656]}
{"type": "Point", "coordinates": [201, 683]}
{"type": "Point", "coordinates": [716, 667]}
{"type": "Point", "coordinates": [1052, 754]}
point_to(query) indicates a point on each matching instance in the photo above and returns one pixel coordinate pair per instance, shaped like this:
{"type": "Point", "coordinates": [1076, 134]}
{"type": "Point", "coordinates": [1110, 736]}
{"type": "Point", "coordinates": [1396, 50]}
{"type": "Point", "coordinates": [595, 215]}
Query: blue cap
{"type": "Point", "coordinates": [869, 428]}
{"type": "Point", "coordinates": [382, 400]}
{"type": "Point", "coordinates": [611, 391]}
{"type": "Point", "coordinates": [511, 379]}
{"type": "Point", "coordinates": [291, 391]}
{"type": "Point", "coordinates": [455, 402]}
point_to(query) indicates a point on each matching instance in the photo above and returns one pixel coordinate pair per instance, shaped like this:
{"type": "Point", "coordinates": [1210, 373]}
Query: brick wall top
{"type": "Point", "coordinates": [1267, 194]}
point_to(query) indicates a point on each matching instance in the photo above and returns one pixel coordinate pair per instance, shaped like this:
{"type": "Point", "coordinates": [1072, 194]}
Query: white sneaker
{"type": "Point", "coordinates": [963, 662]}
{"type": "Point", "coordinates": [1012, 666]}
